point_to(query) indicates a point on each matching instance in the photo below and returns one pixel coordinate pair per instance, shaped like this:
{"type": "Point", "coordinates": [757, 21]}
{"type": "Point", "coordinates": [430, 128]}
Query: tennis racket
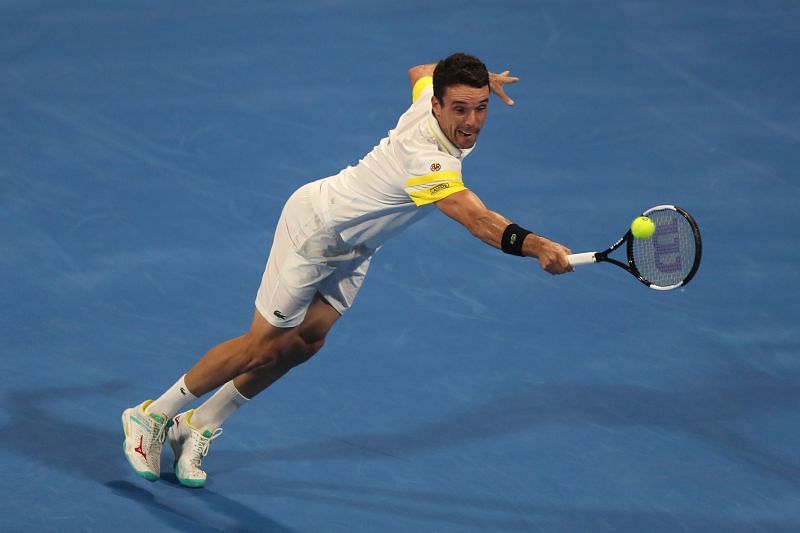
{"type": "Point", "coordinates": [667, 260]}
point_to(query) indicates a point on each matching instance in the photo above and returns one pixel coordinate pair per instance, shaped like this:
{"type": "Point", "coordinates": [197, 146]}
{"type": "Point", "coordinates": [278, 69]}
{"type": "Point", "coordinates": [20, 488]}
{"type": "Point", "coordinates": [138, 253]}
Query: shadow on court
{"type": "Point", "coordinates": [494, 514]}
{"type": "Point", "coordinates": [701, 412]}
{"type": "Point", "coordinates": [705, 412]}
{"type": "Point", "coordinates": [239, 517]}
{"type": "Point", "coordinates": [49, 437]}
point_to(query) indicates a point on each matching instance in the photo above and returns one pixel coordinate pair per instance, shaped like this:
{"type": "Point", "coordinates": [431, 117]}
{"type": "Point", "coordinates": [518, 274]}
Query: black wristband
{"type": "Point", "coordinates": [512, 239]}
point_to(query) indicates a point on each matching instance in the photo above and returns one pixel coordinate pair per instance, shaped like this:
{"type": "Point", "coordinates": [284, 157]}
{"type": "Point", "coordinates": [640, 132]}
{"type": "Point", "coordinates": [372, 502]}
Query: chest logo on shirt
{"type": "Point", "coordinates": [436, 167]}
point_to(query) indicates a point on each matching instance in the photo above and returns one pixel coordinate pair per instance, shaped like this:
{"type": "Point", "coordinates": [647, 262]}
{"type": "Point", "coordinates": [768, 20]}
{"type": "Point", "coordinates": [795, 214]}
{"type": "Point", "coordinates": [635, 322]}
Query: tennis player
{"type": "Point", "coordinates": [324, 242]}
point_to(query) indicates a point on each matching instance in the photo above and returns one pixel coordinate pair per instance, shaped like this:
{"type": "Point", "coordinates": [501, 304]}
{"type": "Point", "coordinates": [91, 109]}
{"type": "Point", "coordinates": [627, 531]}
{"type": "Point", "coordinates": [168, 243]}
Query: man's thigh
{"type": "Point", "coordinates": [341, 287]}
{"type": "Point", "coordinates": [318, 321]}
{"type": "Point", "coordinates": [288, 286]}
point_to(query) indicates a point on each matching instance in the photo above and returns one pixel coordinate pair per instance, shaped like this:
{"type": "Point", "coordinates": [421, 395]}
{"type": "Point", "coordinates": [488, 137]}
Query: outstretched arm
{"type": "Point", "coordinates": [497, 82]}
{"type": "Point", "coordinates": [466, 208]}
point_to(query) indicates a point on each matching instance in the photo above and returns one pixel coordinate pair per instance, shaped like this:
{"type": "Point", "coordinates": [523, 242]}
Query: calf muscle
{"type": "Point", "coordinates": [264, 354]}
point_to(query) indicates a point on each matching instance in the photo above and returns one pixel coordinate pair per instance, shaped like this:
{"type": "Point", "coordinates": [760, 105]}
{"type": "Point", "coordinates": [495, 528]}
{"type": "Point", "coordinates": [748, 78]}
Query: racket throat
{"type": "Point", "coordinates": [602, 256]}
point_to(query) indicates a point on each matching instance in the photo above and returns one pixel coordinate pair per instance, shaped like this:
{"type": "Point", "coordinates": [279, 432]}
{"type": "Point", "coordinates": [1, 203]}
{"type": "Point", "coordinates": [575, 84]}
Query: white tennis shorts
{"type": "Point", "coordinates": [308, 258]}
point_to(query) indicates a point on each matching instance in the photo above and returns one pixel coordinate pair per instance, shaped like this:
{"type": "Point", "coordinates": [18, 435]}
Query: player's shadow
{"type": "Point", "coordinates": [33, 423]}
{"type": "Point", "coordinates": [489, 513]}
{"type": "Point", "coordinates": [52, 429]}
{"type": "Point", "coordinates": [705, 412]}
{"type": "Point", "coordinates": [236, 516]}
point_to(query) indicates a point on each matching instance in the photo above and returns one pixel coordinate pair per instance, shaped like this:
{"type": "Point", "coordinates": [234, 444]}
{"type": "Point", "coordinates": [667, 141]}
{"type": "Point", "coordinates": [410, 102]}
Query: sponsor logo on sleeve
{"type": "Point", "coordinates": [439, 188]}
{"type": "Point", "coordinates": [436, 167]}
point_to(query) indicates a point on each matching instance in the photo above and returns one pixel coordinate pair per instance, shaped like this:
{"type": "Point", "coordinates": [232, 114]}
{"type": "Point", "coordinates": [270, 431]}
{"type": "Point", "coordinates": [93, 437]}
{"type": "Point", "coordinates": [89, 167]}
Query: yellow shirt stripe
{"type": "Point", "coordinates": [433, 187]}
{"type": "Point", "coordinates": [420, 86]}
{"type": "Point", "coordinates": [450, 175]}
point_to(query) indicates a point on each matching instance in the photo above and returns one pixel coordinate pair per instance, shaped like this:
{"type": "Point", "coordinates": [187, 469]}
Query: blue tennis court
{"type": "Point", "coordinates": [146, 149]}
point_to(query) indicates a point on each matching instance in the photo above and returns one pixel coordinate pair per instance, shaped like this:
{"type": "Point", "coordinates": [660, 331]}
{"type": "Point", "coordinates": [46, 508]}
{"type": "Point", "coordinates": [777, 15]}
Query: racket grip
{"type": "Point", "coordinates": [586, 258]}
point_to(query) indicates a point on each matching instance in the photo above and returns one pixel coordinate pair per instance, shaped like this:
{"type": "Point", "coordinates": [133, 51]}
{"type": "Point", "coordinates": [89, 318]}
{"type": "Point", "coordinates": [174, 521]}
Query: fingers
{"type": "Point", "coordinates": [497, 81]}
{"type": "Point", "coordinates": [497, 88]}
{"type": "Point", "coordinates": [560, 268]}
{"type": "Point", "coordinates": [509, 79]}
{"type": "Point", "coordinates": [556, 265]}
{"type": "Point", "coordinates": [563, 260]}
{"type": "Point", "coordinates": [505, 78]}
{"type": "Point", "coordinates": [504, 97]}
{"type": "Point", "coordinates": [556, 261]}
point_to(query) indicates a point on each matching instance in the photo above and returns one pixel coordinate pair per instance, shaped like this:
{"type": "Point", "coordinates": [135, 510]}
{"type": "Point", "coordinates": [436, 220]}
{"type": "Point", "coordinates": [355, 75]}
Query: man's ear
{"type": "Point", "coordinates": [436, 106]}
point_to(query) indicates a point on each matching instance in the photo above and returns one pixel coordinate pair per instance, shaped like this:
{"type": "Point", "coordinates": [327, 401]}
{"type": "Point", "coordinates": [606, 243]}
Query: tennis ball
{"type": "Point", "coordinates": [642, 227]}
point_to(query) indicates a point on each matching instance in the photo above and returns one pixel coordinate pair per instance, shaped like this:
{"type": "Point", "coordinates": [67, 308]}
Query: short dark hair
{"type": "Point", "coordinates": [459, 69]}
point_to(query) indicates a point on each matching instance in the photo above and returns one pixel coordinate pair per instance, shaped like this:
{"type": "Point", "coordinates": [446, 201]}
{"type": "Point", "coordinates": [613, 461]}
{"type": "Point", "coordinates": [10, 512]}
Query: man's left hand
{"type": "Point", "coordinates": [498, 81]}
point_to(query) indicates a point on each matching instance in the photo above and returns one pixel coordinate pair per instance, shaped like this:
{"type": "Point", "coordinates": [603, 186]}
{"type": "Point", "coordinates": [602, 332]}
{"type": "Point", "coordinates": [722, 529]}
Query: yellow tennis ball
{"type": "Point", "coordinates": [642, 227]}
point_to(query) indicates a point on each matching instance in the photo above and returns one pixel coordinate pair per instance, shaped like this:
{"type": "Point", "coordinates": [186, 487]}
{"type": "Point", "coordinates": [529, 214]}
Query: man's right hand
{"type": "Point", "coordinates": [552, 256]}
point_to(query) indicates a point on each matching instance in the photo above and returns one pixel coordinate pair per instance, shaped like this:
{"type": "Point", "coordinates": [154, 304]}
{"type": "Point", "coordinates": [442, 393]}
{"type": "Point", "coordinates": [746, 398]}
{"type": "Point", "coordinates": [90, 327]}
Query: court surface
{"type": "Point", "coordinates": [146, 149]}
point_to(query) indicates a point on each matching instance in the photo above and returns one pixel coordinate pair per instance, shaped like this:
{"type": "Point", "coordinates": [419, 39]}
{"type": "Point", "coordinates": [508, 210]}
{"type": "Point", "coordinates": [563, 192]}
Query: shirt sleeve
{"type": "Point", "coordinates": [433, 176]}
{"type": "Point", "coordinates": [422, 85]}
{"type": "Point", "coordinates": [420, 107]}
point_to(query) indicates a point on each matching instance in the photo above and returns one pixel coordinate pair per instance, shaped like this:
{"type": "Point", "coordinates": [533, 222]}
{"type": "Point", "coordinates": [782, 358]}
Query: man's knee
{"type": "Point", "coordinates": [300, 349]}
{"type": "Point", "coordinates": [289, 349]}
{"type": "Point", "coordinates": [259, 351]}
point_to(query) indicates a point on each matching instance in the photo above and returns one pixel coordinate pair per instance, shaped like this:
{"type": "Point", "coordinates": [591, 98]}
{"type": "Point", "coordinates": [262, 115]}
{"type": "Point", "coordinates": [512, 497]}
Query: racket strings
{"type": "Point", "coordinates": [668, 257]}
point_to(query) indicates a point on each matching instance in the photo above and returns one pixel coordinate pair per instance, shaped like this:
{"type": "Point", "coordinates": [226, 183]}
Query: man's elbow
{"type": "Point", "coordinates": [418, 72]}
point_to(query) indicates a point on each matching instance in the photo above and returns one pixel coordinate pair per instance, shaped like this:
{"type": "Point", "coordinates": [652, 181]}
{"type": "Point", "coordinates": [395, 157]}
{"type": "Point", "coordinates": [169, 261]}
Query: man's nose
{"type": "Point", "coordinates": [471, 118]}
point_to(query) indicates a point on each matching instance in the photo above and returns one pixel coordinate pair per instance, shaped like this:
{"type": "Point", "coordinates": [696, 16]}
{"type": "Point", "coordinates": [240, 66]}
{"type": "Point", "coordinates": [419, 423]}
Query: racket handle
{"type": "Point", "coordinates": [586, 258]}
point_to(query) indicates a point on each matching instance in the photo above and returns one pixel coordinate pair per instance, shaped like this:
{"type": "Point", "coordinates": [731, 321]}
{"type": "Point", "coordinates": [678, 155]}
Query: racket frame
{"type": "Point", "coordinates": [628, 239]}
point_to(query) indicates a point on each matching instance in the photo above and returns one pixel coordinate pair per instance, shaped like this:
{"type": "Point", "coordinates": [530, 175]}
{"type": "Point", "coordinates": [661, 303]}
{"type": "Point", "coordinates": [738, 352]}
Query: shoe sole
{"type": "Point", "coordinates": [191, 483]}
{"type": "Point", "coordinates": [149, 476]}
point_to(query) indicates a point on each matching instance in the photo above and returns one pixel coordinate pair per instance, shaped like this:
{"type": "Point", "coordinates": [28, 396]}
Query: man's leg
{"type": "Point", "coordinates": [219, 365]}
{"type": "Point", "coordinates": [263, 354]}
{"type": "Point", "coordinates": [288, 289]}
{"type": "Point", "coordinates": [310, 336]}
{"type": "Point", "coordinates": [307, 339]}
{"type": "Point", "coordinates": [193, 430]}
{"type": "Point", "coordinates": [267, 351]}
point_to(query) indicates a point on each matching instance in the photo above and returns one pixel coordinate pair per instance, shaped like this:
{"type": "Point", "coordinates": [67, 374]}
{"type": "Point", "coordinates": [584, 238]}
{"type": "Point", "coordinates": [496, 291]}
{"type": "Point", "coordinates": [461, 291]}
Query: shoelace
{"type": "Point", "coordinates": [201, 444]}
{"type": "Point", "coordinates": [159, 430]}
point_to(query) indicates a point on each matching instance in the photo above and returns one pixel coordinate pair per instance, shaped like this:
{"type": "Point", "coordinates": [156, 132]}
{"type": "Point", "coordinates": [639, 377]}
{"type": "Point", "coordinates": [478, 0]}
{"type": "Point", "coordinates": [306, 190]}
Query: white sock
{"type": "Point", "coordinates": [173, 400]}
{"type": "Point", "coordinates": [220, 406]}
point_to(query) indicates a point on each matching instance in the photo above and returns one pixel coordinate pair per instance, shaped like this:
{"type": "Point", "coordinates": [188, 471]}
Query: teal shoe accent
{"type": "Point", "coordinates": [193, 483]}
{"type": "Point", "coordinates": [149, 476]}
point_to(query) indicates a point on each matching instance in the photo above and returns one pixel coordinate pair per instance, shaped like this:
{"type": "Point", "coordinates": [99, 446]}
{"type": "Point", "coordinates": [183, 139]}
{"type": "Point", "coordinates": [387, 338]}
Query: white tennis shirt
{"type": "Point", "coordinates": [395, 184]}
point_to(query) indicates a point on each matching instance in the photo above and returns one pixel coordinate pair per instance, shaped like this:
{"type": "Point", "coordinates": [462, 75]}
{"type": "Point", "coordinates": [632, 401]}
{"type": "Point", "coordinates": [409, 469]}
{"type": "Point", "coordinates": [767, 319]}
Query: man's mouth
{"type": "Point", "coordinates": [465, 134]}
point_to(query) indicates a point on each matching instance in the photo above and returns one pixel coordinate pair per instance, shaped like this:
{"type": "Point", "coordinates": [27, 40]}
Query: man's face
{"type": "Point", "coordinates": [461, 113]}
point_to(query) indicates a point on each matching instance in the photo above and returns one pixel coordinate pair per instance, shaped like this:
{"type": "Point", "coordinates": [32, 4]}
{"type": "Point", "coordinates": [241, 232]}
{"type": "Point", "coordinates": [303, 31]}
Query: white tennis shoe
{"type": "Point", "coordinates": [190, 445]}
{"type": "Point", "coordinates": [144, 438]}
